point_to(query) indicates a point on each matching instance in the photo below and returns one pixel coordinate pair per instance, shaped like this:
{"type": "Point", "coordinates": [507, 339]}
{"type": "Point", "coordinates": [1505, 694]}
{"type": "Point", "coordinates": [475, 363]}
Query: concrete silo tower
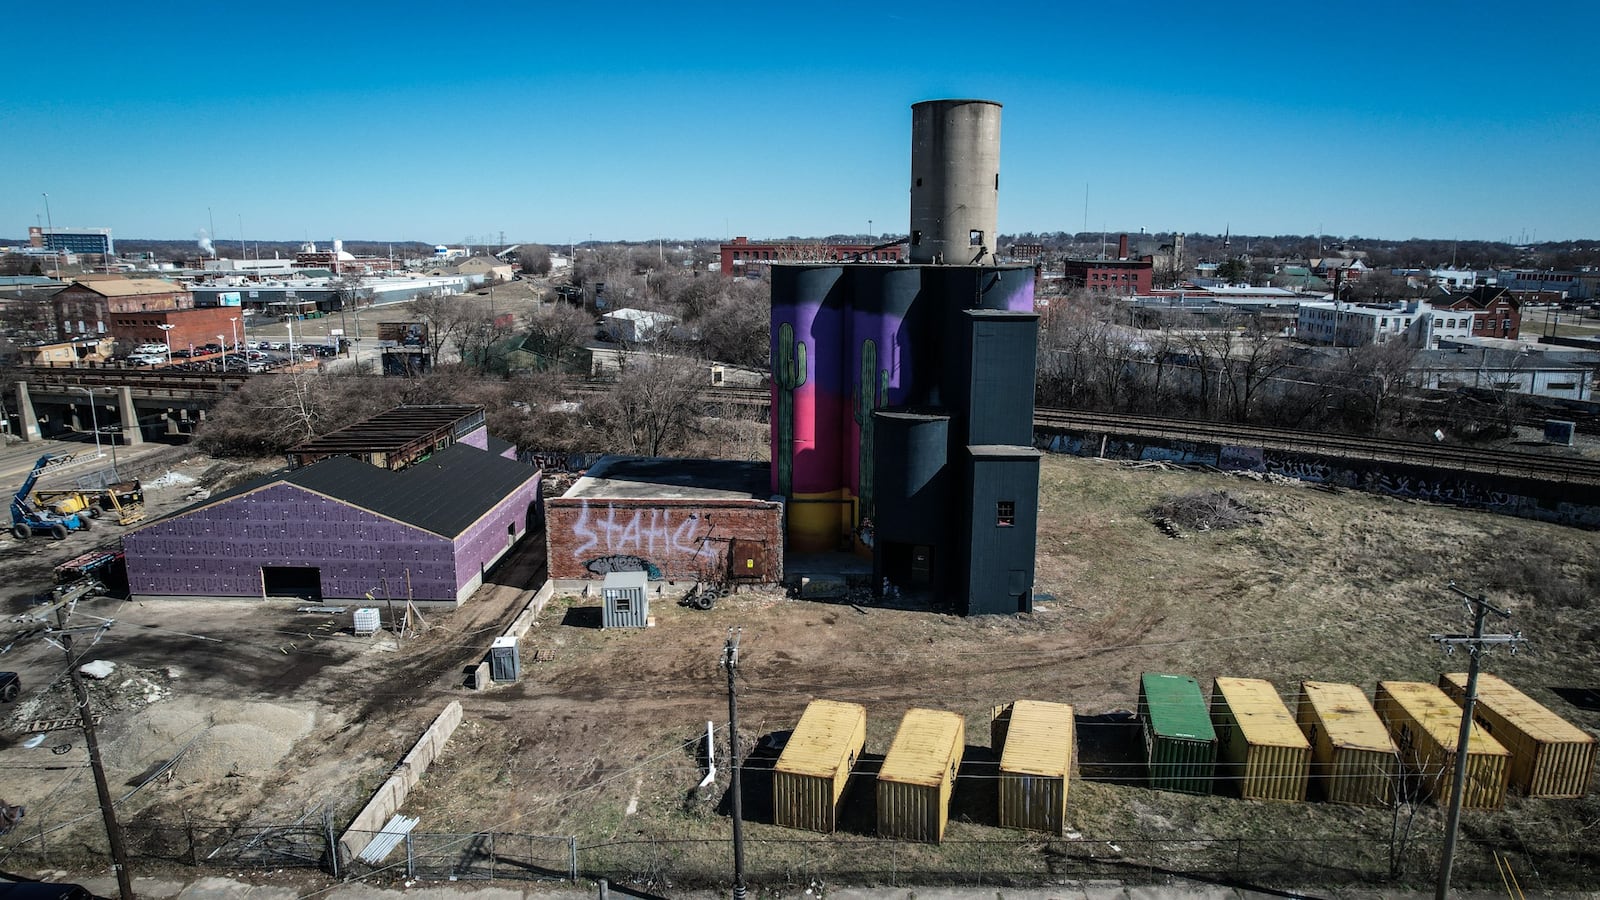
{"type": "Point", "coordinates": [955, 181]}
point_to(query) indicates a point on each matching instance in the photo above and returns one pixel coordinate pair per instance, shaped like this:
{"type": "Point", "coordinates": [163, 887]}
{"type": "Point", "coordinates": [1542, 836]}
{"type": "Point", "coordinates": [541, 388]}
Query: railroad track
{"type": "Point", "coordinates": [1472, 460]}
{"type": "Point", "coordinates": [1503, 463]}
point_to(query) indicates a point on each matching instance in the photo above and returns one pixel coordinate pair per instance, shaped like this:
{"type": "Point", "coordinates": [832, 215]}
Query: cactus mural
{"type": "Point", "coordinates": [871, 393]}
{"type": "Point", "coordinates": [788, 373]}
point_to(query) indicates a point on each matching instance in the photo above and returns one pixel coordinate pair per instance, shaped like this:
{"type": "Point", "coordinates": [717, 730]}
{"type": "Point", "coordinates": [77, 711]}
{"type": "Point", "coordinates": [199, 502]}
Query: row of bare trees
{"type": "Point", "coordinates": [1228, 367]}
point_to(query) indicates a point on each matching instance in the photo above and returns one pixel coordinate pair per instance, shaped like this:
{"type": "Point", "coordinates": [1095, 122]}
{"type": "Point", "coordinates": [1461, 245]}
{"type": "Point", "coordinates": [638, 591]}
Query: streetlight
{"type": "Point", "coordinates": [233, 328]}
{"type": "Point", "coordinates": [220, 339]}
{"type": "Point", "coordinates": [167, 339]}
{"type": "Point", "coordinates": [94, 421]}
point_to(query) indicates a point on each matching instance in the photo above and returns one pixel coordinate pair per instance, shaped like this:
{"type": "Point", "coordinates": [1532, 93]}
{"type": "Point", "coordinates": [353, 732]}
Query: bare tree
{"type": "Point", "coordinates": [1254, 356]}
{"type": "Point", "coordinates": [655, 405]}
{"type": "Point", "coordinates": [446, 318]}
{"type": "Point", "coordinates": [534, 259]}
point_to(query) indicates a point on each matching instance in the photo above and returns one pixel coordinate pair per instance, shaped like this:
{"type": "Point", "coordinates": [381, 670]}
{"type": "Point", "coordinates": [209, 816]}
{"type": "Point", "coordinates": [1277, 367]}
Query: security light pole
{"type": "Point", "coordinates": [94, 420]}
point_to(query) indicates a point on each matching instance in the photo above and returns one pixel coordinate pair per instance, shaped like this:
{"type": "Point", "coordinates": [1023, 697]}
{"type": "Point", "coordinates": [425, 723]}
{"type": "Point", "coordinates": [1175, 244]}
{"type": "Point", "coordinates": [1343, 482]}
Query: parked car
{"type": "Point", "coordinates": [151, 349]}
{"type": "Point", "coordinates": [211, 348]}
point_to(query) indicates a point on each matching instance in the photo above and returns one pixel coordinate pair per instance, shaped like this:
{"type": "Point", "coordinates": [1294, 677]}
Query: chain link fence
{"type": "Point", "coordinates": [1021, 861]}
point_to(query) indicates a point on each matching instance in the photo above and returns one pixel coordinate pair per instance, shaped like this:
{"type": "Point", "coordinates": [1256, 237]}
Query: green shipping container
{"type": "Point", "coordinates": [1180, 744]}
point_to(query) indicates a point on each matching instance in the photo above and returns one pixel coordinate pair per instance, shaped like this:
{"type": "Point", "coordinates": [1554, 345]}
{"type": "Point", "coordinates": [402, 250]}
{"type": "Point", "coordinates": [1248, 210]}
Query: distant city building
{"type": "Point", "coordinates": [1570, 285]}
{"type": "Point", "coordinates": [1357, 324]}
{"type": "Point", "coordinates": [95, 241]}
{"type": "Point", "coordinates": [85, 307]}
{"type": "Point", "coordinates": [339, 261]}
{"type": "Point", "coordinates": [741, 257]}
{"type": "Point", "coordinates": [1496, 312]}
{"type": "Point", "coordinates": [1027, 252]}
{"type": "Point", "coordinates": [1490, 368]}
{"type": "Point", "coordinates": [1126, 277]}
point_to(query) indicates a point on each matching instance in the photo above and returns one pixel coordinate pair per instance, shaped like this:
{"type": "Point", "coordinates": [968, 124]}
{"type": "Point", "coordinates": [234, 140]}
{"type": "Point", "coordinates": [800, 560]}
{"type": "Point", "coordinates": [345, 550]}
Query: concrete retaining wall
{"type": "Point", "coordinates": [391, 795]}
{"type": "Point", "coordinates": [519, 627]}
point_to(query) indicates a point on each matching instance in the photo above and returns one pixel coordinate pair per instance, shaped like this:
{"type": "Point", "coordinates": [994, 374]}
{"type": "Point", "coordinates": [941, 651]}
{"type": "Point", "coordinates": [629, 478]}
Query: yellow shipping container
{"type": "Point", "coordinates": [918, 775]}
{"type": "Point", "coordinates": [1034, 740]}
{"type": "Point", "coordinates": [1259, 747]}
{"type": "Point", "coordinates": [814, 768]}
{"type": "Point", "coordinates": [1424, 723]}
{"type": "Point", "coordinates": [1353, 759]}
{"type": "Point", "coordinates": [1550, 757]}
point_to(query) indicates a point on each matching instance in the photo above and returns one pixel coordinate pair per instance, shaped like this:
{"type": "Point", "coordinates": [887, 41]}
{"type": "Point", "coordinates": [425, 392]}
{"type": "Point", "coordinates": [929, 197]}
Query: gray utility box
{"type": "Point", "coordinates": [505, 660]}
{"type": "Point", "coordinates": [626, 603]}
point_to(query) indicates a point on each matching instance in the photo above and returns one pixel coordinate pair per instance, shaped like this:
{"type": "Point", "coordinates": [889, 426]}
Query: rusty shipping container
{"type": "Point", "coordinates": [1353, 759]}
{"type": "Point", "coordinates": [1180, 744]}
{"type": "Point", "coordinates": [1260, 749]}
{"type": "Point", "coordinates": [815, 765]}
{"type": "Point", "coordinates": [1034, 740]}
{"type": "Point", "coordinates": [1550, 757]}
{"type": "Point", "coordinates": [1424, 723]}
{"type": "Point", "coordinates": [918, 774]}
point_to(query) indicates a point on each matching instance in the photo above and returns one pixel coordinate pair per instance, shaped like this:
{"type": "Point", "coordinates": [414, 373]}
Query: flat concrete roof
{"type": "Point", "coordinates": [650, 478]}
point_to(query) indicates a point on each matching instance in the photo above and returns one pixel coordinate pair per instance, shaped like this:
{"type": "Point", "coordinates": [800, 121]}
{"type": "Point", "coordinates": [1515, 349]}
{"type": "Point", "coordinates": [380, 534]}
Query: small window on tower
{"type": "Point", "coordinates": [975, 238]}
{"type": "Point", "coordinates": [916, 238]}
{"type": "Point", "coordinates": [1005, 514]}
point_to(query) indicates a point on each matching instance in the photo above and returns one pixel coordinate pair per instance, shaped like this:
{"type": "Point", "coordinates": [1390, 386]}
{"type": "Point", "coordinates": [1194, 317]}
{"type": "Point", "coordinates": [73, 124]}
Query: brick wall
{"type": "Point", "coordinates": [673, 539]}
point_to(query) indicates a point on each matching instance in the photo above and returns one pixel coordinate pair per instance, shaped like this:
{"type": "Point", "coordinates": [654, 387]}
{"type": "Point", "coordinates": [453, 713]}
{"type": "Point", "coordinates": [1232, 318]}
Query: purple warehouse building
{"type": "Point", "coordinates": [340, 527]}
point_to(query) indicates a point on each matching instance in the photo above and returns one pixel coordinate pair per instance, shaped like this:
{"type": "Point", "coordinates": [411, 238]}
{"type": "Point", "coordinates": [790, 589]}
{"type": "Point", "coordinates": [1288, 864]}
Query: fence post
{"type": "Point", "coordinates": [332, 841]}
{"type": "Point", "coordinates": [572, 857]}
{"type": "Point", "coordinates": [411, 863]}
{"type": "Point", "coordinates": [491, 856]}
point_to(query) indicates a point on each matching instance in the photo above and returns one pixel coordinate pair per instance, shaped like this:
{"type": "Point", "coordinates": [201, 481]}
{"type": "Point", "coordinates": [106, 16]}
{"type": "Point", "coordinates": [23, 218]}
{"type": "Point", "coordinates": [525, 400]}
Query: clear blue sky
{"type": "Point", "coordinates": [558, 122]}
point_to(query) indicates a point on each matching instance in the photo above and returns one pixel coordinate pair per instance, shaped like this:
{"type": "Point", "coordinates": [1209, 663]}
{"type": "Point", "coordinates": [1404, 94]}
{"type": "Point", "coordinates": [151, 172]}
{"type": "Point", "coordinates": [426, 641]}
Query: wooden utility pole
{"type": "Point", "coordinates": [119, 853]}
{"type": "Point", "coordinates": [730, 661]}
{"type": "Point", "coordinates": [1476, 643]}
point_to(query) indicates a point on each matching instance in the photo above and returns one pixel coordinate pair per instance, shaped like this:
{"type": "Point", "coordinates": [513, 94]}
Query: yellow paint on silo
{"type": "Point", "coordinates": [1259, 747]}
{"type": "Point", "coordinates": [1035, 746]}
{"type": "Point", "coordinates": [1353, 759]}
{"type": "Point", "coordinates": [918, 774]}
{"type": "Point", "coordinates": [1425, 723]}
{"type": "Point", "coordinates": [1550, 757]}
{"type": "Point", "coordinates": [815, 765]}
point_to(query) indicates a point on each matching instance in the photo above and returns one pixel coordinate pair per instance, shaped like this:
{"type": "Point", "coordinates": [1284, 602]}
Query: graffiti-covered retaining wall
{"type": "Point", "coordinates": [680, 540]}
{"type": "Point", "coordinates": [1566, 504]}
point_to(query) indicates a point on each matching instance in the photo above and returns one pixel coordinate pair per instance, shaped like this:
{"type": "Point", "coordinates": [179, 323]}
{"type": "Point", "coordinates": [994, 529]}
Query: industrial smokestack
{"type": "Point", "coordinates": [955, 181]}
{"type": "Point", "coordinates": [1122, 246]}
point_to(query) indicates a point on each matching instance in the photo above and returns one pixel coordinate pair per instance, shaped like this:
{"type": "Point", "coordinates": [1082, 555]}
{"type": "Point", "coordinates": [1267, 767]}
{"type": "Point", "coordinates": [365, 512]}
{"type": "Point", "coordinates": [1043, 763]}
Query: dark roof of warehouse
{"type": "Point", "coordinates": [443, 494]}
{"type": "Point", "coordinates": [393, 429]}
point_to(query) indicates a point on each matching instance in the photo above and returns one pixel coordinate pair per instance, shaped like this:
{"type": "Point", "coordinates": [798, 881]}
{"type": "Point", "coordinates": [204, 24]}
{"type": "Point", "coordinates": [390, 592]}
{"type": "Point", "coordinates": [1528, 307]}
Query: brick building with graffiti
{"type": "Point", "coordinates": [676, 519]}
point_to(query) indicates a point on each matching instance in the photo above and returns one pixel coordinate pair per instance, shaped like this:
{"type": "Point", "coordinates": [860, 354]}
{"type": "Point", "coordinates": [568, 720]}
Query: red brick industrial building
{"type": "Point", "coordinates": [675, 519]}
{"type": "Point", "coordinates": [86, 306]}
{"type": "Point", "coordinates": [1496, 312]}
{"type": "Point", "coordinates": [1122, 275]}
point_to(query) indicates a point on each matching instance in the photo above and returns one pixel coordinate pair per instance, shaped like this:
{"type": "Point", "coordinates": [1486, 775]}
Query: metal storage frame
{"type": "Point", "coordinates": [1550, 757]}
{"type": "Point", "coordinates": [1034, 740]}
{"type": "Point", "coordinates": [1353, 758]}
{"type": "Point", "coordinates": [632, 587]}
{"type": "Point", "coordinates": [918, 775]}
{"type": "Point", "coordinates": [1180, 744]}
{"type": "Point", "coordinates": [1259, 746]}
{"type": "Point", "coordinates": [1424, 723]}
{"type": "Point", "coordinates": [811, 774]}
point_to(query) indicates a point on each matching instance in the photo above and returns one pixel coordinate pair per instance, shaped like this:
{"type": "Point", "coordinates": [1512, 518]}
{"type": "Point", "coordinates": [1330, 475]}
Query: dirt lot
{"type": "Point", "coordinates": [599, 741]}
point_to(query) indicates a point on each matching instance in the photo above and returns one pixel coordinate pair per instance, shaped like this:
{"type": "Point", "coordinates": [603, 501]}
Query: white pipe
{"type": "Point", "coordinates": [711, 756]}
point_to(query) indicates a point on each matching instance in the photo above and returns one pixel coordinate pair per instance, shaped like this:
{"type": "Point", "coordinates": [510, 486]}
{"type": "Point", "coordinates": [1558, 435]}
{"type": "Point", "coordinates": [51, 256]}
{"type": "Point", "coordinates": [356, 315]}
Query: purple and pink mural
{"type": "Point", "coordinates": [851, 339]}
